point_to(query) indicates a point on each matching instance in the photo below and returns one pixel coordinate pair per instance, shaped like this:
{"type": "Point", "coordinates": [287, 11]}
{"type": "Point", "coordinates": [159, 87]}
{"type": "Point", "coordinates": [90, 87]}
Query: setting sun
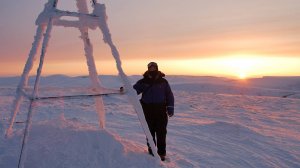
{"type": "Point", "coordinates": [242, 75]}
{"type": "Point", "coordinates": [241, 65]}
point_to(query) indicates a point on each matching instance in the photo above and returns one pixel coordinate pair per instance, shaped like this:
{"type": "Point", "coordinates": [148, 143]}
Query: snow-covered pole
{"type": "Point", "coordinates": [43, 52]}
{"type": "Point", "coordinates": [88, 48]}
{"type": "Point", "coordinates": [25, 136]}
{"type": "Point", "coordinates": [100, 11]}
{"type": "Point", "coordinates": [24, 78]}
{"type": "Point", "coordinates": [29, 64]}
{"type": "Point", "coordinates": [34, 93]}
{"type": "Point", "coordinates": [59, 13]}
{"type": "Point", "coordinates": [36, 84]}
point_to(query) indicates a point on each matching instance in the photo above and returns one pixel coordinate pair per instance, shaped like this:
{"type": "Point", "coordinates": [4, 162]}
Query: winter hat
{"type": "Point", "coordinates": [154, 64]}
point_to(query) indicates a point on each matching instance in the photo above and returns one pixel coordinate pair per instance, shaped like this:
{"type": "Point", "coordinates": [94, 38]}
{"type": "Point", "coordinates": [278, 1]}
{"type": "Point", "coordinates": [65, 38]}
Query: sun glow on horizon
{"type": "Point", "coordinates": [242, 76]}
{"type": "Point", "coordinates": [241, 66]}
{"type": "Point", "coordinates": [236, 66]}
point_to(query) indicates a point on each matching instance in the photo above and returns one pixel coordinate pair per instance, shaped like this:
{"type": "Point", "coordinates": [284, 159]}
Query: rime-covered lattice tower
{"type": "Point", "coordinates": [51, 16]}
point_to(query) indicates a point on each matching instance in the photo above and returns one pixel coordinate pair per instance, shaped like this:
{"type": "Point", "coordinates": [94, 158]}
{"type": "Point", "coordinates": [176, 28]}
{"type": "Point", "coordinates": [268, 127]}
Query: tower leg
{"type": "Point", "coordinates": [46, 39]}
{"type": "Point", "coordinates": [88, 48]}
{"type": "Point", "coordinates": [99, 10]}
{"type": "Point", "coordinates": [24, 78]}
{"type": "Point", "coordinates": [34, 93]}
{"type": "Point", "coordinates": [28, 66]}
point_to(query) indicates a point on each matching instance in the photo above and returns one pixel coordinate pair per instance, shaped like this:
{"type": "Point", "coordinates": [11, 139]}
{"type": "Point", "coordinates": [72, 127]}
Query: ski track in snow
{"type": "Point", "coordinates": [209, 129]}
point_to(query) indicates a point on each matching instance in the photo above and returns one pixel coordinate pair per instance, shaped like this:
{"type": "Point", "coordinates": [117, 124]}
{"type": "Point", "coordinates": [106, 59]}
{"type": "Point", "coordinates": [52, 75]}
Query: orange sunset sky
{"type": "Point", "coordinates": [230, 38]}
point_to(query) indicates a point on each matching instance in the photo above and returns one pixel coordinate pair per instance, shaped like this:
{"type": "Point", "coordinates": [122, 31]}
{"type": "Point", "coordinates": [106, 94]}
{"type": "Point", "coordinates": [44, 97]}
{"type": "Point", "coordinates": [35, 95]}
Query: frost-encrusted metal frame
{"type": "Point", "coordinates": [97, 19]}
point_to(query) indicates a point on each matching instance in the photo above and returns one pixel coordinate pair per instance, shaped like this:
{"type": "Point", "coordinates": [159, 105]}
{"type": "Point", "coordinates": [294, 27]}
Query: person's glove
{"type": "Point", "coordinates": [170, 111]}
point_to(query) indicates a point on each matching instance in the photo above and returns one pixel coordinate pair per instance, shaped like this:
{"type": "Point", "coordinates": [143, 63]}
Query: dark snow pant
{"type": "Point", "coordinates": [157, 120]}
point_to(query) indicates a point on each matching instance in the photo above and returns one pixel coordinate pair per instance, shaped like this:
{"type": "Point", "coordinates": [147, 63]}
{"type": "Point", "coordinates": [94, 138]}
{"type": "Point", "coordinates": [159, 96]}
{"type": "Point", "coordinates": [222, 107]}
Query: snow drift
{"type": "Point", "coordinates": [218, 122]}
{"type": "Point", "coordinates": [70, 143]}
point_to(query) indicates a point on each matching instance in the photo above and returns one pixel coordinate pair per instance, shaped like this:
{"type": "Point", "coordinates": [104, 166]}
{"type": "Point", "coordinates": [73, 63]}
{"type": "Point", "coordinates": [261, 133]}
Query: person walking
{"type": "Point", "coordinates": [158, 104]}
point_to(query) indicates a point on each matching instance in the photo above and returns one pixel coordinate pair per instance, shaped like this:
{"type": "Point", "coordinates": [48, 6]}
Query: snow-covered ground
{"type": "Point", "coordinates": [218, 122]}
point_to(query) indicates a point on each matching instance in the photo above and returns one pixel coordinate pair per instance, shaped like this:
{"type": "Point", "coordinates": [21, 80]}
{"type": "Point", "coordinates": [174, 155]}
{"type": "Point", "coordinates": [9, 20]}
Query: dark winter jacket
{"type": "Point", "coordinates": [155, 90]}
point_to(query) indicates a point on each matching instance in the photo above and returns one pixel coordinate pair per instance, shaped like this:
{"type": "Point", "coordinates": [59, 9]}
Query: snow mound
{"type": "Point", "coordinates": [69, 143]}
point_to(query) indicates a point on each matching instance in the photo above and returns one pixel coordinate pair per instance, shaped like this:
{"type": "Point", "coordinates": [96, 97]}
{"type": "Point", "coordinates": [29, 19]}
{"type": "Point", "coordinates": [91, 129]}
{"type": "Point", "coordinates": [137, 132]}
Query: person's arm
{"type": "Point", "coordinates": [170, 100]}
{"type": "Point", "coordinates": [140, 86]}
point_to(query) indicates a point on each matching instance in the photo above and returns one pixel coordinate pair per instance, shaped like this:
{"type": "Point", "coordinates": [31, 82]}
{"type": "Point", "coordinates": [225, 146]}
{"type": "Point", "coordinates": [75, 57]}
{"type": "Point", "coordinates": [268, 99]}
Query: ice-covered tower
{"type": "Point", "coordinates": [51, 16]}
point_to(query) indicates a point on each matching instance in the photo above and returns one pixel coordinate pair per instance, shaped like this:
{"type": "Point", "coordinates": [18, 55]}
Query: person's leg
{"type": "Point", "coordinates": [161, 131]}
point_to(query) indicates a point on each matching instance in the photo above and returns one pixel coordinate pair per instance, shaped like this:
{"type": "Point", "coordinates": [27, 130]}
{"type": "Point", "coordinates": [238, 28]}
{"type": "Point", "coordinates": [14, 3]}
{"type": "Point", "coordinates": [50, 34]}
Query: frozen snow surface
{"type": "Point", "coordinates": [218, 122]}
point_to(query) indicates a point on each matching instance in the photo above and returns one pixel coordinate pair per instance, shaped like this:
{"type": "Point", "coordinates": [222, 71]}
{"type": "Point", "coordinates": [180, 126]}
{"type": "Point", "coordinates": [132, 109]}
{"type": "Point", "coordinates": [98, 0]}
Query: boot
{"type": "Point", "coordinates": [162, 157]}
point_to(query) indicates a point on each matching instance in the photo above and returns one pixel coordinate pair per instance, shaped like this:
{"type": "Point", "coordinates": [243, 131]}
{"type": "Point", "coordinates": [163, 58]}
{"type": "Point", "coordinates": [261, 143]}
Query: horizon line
{"type": "Point", "coordinates": [216, 76]}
